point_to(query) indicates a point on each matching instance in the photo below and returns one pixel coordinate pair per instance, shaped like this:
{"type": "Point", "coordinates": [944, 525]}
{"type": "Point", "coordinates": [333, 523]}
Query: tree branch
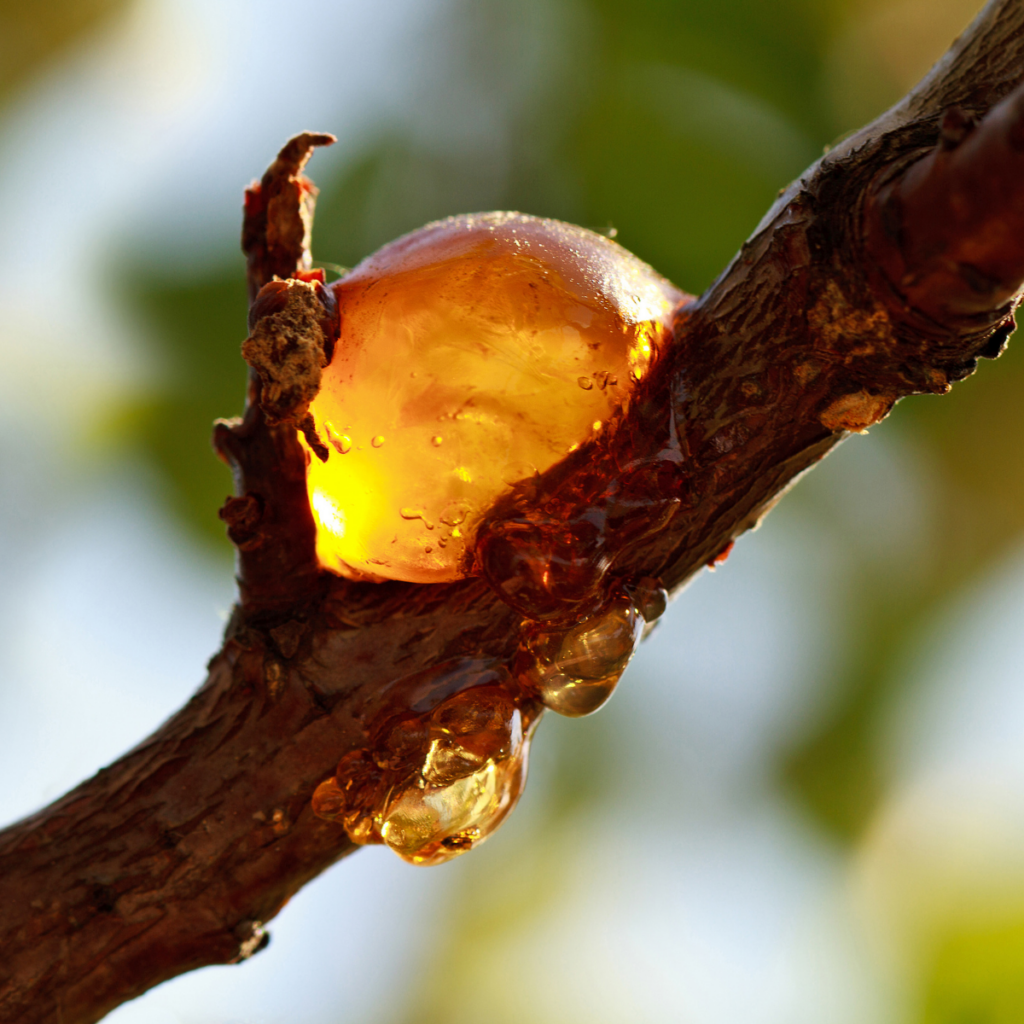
{"type": "Point", "coordinates": [852, 294]}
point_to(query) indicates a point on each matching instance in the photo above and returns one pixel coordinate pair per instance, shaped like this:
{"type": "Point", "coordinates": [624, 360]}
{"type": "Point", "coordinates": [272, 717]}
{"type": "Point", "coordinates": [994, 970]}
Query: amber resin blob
{"type": "Point", "coordinates": [473, 353]}
{"type": "Point", "coordinates": [446, 749]}
{"type": "Point", "coordinates": [445, 764]}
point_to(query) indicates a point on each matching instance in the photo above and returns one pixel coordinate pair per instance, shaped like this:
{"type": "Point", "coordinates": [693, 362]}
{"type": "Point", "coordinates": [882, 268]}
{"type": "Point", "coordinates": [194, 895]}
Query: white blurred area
{"type": "Point", "coordinates": [688, 888]}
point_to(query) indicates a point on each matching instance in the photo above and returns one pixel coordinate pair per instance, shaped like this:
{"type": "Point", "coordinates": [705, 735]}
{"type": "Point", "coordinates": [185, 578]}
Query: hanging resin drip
{"type": "Point", "coordinates": [436, 784]}
{"type": "Point", "coordinates": [574, 672]}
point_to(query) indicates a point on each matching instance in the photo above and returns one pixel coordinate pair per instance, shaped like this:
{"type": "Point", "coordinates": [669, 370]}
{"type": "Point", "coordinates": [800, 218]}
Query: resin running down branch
{"type": "Point", "coordinates": [849, 296]}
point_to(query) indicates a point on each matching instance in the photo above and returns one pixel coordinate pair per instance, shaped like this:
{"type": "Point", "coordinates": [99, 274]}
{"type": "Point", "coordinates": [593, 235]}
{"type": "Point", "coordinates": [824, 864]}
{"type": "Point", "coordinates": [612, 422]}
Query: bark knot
{"type": "Point", "coordinates": [290, 343]}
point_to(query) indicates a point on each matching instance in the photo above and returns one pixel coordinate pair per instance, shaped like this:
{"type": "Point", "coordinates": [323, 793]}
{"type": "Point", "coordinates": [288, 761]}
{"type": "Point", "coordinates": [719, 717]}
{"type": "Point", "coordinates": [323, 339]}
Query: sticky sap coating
{"type": "Point", "coordinates": [473, 353]}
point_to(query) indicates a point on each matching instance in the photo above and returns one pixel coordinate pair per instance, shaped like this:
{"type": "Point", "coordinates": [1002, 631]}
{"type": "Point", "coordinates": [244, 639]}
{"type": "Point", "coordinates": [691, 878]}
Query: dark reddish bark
{"type": "Point", "coordinates": [851, 295]}
{"type": "Point", "coordinates": [945, 231]}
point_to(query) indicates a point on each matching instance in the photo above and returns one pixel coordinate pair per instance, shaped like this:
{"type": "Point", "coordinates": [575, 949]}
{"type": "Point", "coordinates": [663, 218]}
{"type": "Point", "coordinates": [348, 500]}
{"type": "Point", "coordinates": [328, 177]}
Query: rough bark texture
{"type": "Point", "coordinates": [851, 295]}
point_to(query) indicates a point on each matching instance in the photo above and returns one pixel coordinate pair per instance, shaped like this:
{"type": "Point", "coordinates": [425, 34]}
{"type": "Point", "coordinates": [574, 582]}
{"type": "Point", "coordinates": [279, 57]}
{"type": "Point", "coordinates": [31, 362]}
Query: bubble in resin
{"type": "Point", "coordinates": [436, 784]}
{"type": "Point", "coordinates": [512, 338]}
{"type": "Point", "coordinates": [574, 671]}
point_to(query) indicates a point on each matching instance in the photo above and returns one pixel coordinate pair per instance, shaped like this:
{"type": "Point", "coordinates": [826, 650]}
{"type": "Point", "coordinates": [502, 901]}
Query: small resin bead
{"type": "Point", "coordinates": [651, 600]}
{"type": "Point", "coordinates": [473, 353]}
{"type": "Point", "coordinates": [574, 672]}
{"type": "Point", "coordinates": [349, 797]}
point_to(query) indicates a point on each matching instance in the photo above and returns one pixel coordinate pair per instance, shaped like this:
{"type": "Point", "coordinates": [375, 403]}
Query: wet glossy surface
{"type": "Point", "coordinates": [440, 775]}
{"type": "Point", "coordinates": [474, 353]}
{"type": "Point", "coordinates": [575, 671]}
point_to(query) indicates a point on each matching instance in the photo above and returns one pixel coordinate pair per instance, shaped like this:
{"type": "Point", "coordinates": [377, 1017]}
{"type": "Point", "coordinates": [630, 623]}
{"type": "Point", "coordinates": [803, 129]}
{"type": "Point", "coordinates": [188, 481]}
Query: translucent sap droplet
{"type": "Point", "coordinates": [650, 598]}
{"type": "Point", "coordinates": [377, 441]}
{"type": "Point", "coordinates": [469, 729]}
{"type": "Point", "coordinates": [469, 779]}
{"type": "Point", "coordinates": [341, 443]}
{"type": "Point", "coordinates": [431, 824]}
{"type": "Point", "coordinates": [436, 440]}
{"type": "Point", "coordinates": [329, 800]}
{"type": "Point", "coordinates": [351, 796]}
{"type": "Point", "coordinates": [585, 382]}
{"type": "Point", "coordinates": [575, 671]}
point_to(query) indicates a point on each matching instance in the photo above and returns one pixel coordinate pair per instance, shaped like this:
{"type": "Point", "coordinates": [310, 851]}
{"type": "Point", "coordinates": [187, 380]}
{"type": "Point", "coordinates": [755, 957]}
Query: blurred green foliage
{"type": "Point", "coordinates": [199, 325]}
{"type": "Point", "coordinates": [973, 441]}
{"type": "Point", "coordinates": [33, 34]}
{"type": "Point", "coordinates": [976, 977]}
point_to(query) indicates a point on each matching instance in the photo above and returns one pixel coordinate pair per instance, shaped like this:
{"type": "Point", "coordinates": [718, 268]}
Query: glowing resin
{"type": "Point", "coordinates": [473, 353]}
{"type": "Point", "coordinates": [574, 672]}
{"type": "Point", "coordinates": [432, 824]}
{"type": "Point", "coordinates": [434, 785]}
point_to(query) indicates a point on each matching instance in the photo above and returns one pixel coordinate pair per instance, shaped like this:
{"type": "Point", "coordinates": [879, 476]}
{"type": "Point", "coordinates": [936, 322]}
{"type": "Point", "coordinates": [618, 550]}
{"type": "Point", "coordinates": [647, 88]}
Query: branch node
{"type": "Point", "coordinates": [279, 214]}
{"type": "Point", "coordinates": [955, 126]}
{"type": "Point", "coordinates": [294, 324]}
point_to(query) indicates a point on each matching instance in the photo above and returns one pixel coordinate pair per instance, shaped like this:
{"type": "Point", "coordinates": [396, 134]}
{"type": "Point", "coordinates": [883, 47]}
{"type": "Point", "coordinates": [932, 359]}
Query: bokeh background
{"type": "Point", "coordinates": [806, 803]}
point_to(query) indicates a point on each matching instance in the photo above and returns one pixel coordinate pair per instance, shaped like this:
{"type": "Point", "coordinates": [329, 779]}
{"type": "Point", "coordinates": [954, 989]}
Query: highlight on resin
{"type": "Point", "coordinates": [574, 671]}
{"type": "Point", "coordinates": [446, 762]}
{"type": "Point", "coordinates": [473, 353]}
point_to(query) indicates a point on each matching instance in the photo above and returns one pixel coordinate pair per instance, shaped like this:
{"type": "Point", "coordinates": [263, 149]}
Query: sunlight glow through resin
{"type": "Point", "coordinates": [438, 782]}
{"type": "Point", "coordinates": [473, 353]}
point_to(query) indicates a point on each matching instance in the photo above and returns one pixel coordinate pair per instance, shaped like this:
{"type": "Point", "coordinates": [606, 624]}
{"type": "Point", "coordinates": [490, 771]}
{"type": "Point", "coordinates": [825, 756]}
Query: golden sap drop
{"type": "Point", "coordinates": [575, 671]}
{"type": "Point", "coordinates": [436, 784]}
{"type": "Point", "coordinates": [432, 824]}
{"type": "Point", "coordinates": [471, 777]}
{"type": "Point", "coordinates": [486, 330]}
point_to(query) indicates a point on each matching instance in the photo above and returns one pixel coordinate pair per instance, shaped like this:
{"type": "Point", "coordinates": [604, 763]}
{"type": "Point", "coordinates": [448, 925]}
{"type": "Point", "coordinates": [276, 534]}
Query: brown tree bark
{"type": "Point", "coordinates": [886, 270]}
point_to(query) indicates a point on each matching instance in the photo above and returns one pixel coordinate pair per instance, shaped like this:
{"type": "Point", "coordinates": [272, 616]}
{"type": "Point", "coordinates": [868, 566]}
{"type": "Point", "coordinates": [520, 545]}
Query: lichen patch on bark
{"type": "Point", "coordinates": [849, 329]}
{"type": "Point", "coordinates": [856, 412]}
{"type": "Point", "coordinates": [288, 349]}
